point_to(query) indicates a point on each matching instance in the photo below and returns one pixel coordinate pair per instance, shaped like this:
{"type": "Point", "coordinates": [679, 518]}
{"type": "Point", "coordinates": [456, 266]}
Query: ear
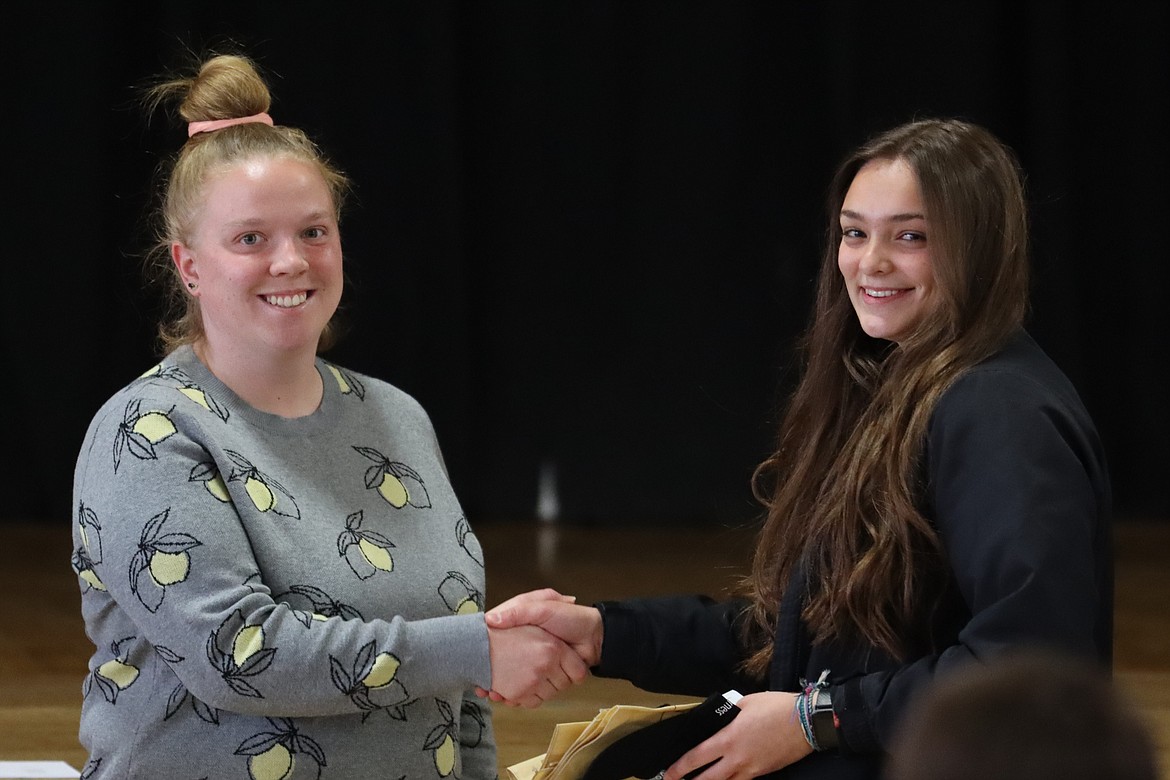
{"type": "Point", "coordinates": [184, 262]}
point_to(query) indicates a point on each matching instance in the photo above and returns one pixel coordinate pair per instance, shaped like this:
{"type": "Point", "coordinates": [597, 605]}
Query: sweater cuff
{"type": "Point", "coordinates": [465, 654]}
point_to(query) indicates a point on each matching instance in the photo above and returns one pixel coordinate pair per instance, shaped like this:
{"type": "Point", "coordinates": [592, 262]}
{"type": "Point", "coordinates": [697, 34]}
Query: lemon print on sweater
{"type": "Point", "coordinates": [460, 595]}
{"type": "Point", "coordinates": [273, 755]}
{"type": "Point", "coordinates": [468, 540]}
{"type": "Point", "coordinates": [371, 682]}
{"type": "Point", "coordinates": [441, 741]}
{"type": "Point", "coordinates": [115, 675]}
{"type": "Point", "coordinates": [238, 653]}
{"type": "Point", "coordinates": [347, 382]}
{"type": "Point", "coordinates": [266, 493]}
{"type": "Point", "coordinates": [208, 473]}
{"type": "Point", "coordinates": [90, 551]}
{"type": "Point", "coordinates": [161, 561]}
{"type": "Point", "coordinates": [366, 552]}
{"type": "Point", "coordinates": [311, 604]}
{"type": "Point", "coordinates": [140, 431]}
{"type": "Point", "coordinates": [396, 482]}
{"type": "Point", "coordinates": [199, 396]}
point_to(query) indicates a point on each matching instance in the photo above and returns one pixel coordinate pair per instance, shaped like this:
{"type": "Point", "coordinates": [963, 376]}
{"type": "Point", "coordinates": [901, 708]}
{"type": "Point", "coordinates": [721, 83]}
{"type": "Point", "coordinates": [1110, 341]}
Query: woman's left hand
{"type": "Point", "coordinates": [764, 737]}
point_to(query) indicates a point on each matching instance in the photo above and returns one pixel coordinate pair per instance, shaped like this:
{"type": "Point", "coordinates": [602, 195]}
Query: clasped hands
{"type": "Point", "coordinates": [541, 643]}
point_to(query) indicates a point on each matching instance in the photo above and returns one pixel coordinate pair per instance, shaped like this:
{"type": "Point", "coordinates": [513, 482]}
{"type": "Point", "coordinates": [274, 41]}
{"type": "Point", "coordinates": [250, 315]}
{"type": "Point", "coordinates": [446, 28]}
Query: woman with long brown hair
{"type": "Point", "coordinates": [937, 497]}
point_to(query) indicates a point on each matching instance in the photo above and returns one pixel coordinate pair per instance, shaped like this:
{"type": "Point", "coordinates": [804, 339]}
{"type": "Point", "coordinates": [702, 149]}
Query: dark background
{"type": "Point", "coordinates": [585, 232]}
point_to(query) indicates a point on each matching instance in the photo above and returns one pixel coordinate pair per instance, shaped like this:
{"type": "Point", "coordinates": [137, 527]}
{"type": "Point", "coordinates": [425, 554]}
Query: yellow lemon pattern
{"type": "Point", "coordinates": [249, 641]}
{"type": "Point", "coordinates": [169, 568]}
{"type": "Point", "coordinates": [141, 431]}
{"type": "Point", "coordinates": [266, 493]}
{"type": "Point", "coordinates": [460, 595]}
{"type": "Point", "coordinates": [199, 396]}
{"type": "Point", "coordinates": [275, 763]}
{"type": "Point", "coordinates": [441, 741]}
{"type": "Point", "coordinates": [119, 673]}
{"type": "Point", "coordinates": [114, 675]}
{"type": "Point", "coordinates": [366, 552]}
{"type": "Point", "coordinates": [311, 604]}
{"type": "Point", "coordinates": [161, 561]}
{"type": "Point", "coordinates": [89, 552]}
{"type": "Point", "coordinates": [347, 382]}
{"type": "Point", "coordinates": [208, 473]}
{"type": "Point", "coordinates": [371, 682]}
{"type": "Point", "coordinates": [274, 754]}
{"type": "Point", "coordinates": [397, 483]}
{"type": "Point", "coordinates": [238, 654]}
{"type": "Point", "coordinates": [261, 495]}
{"type": "Point", "coordinates": [382, 672]}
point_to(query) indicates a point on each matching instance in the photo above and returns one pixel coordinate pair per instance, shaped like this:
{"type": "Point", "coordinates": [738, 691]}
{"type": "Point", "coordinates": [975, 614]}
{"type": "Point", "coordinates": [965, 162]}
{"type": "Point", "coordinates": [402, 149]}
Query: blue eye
{"type": "Point", "coordinates": [250, 239]}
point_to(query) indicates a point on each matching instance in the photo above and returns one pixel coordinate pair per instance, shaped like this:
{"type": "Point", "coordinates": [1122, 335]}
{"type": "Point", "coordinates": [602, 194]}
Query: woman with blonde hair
{"type": "Point", "coordinates": [276, 573]}
{"type": "Point", "coordinates": [938, 495]}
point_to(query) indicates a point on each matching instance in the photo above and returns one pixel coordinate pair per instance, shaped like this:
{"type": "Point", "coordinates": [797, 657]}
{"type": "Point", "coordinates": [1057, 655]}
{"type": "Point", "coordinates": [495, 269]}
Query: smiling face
{"type": "Point", "coordinates": [265, 257]}
{"type": "Point", "coordinates": [884, 256]}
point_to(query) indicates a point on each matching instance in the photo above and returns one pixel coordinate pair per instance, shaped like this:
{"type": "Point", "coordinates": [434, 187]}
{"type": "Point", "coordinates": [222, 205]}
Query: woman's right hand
{"type": "Point", "coordinates": [530, 666]}
{"type": "Point", "coordinates": [554, 615]}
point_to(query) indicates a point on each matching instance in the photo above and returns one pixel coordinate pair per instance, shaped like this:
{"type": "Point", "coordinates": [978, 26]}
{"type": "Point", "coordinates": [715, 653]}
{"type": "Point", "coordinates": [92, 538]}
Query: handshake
{"type": "Point", "coordinates": [541, 643]}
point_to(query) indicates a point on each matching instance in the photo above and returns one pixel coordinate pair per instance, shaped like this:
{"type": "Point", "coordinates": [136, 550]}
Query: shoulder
{"type": "Point", "coordinates": [1010, 415]}
{"type": "Point", "coordinates": [357, 387]}
{"type": "Point", "coordinates": [1019, 382]}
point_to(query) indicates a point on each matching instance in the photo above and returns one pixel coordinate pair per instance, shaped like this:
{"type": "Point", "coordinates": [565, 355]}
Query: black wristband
{"type": "Point", "coordinates": [823, 721]}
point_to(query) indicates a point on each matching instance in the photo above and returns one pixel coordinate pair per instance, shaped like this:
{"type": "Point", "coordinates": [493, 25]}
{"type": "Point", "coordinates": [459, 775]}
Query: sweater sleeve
{"type": "Point", "coordinates": [158, 529]}
{"type": "Point", "coordinates": [1020, 500]}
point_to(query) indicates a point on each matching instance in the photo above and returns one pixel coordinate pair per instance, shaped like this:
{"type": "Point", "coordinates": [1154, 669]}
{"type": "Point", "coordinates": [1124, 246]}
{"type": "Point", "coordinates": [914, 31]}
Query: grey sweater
{"type": "Point", "coordinates": [272, 597]}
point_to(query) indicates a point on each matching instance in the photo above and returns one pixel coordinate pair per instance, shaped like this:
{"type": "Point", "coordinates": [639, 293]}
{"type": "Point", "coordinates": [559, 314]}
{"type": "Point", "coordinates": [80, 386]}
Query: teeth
{"type": "Point", "coordinates": [287, 301]}
{"type": "Point", "coordinates": [879, 293]}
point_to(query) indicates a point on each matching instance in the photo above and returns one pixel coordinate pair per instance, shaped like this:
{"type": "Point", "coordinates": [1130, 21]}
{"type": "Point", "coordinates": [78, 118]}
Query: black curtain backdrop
{"type": "Point", "coordinates": [585, 232]}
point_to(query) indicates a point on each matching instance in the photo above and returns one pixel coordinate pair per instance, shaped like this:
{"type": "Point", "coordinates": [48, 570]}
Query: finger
{"type": "Point", "coordinates": [542, 594]}
{"type": "Point", "coordinates": [574, 667]}
{"type": "Point", "coordinates": [699, 756]}
{"type": "Point", "coordinates": [524, 609]}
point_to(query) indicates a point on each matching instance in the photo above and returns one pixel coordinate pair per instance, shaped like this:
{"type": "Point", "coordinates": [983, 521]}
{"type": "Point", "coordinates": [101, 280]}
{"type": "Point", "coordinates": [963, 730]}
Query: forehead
{"type": "Point", "coordinates": [273, 185]}
{"type": "Point", "coordinates": [883, 189]}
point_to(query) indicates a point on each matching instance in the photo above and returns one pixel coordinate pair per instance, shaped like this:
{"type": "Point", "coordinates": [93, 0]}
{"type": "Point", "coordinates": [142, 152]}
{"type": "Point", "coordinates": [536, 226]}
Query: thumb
{"type": "Point", "coordinates": [500, 617]}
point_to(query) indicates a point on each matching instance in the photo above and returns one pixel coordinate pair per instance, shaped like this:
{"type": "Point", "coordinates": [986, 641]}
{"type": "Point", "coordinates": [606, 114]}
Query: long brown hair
{"type": "Point", "coordinates": [224, 86]}
{"type": "Point", "coordinates": [841, 490]}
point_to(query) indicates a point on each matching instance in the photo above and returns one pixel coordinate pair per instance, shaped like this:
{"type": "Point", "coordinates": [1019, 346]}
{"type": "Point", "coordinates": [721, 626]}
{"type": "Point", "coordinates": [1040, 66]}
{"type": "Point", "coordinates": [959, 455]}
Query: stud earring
{"type": "Point", "coordinates": [192, 285]}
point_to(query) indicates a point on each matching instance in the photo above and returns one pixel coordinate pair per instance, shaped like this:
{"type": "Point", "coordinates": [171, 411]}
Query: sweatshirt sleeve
{"type": "Point", "coordinates": [157, 529]}
{"type": "Point", "coordinates": [687, 645]}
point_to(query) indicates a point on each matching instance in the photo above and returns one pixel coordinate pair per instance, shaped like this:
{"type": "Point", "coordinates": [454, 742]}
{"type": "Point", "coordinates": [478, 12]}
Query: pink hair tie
{"type": "Point", "coordinates": [216, 124]}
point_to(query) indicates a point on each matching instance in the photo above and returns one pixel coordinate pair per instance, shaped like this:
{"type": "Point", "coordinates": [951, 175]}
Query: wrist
{"type": "Point", "coordinates": [818, 720]}
{"type": "Point", "coordinates": [596, 636]}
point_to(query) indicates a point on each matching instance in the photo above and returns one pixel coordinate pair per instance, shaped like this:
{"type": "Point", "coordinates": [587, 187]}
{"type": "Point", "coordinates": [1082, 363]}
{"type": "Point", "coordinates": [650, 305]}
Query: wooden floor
{"type": "Point", "coordinates": [43, 649]}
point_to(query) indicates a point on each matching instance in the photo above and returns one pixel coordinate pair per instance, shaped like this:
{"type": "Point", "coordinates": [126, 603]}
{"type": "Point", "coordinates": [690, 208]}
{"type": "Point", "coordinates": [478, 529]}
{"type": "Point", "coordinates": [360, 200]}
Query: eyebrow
{"type": "Point", "coordinates": [905, 217]}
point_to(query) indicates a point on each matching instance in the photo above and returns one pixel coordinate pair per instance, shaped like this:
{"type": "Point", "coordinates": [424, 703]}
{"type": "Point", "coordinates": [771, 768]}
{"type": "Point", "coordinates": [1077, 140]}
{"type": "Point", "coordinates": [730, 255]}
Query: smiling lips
{"type": "Point", "coordinates": [875, 293]}
{"type": "Point", "coordinates": [287, 301]}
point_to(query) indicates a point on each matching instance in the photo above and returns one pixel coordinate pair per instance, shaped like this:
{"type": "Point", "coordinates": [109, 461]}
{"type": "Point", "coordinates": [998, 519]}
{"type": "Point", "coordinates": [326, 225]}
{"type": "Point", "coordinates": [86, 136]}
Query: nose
{"type": "Point", "coordinates": [288, 258]}
{"type": "Point", "coordinates": [873, 259]}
